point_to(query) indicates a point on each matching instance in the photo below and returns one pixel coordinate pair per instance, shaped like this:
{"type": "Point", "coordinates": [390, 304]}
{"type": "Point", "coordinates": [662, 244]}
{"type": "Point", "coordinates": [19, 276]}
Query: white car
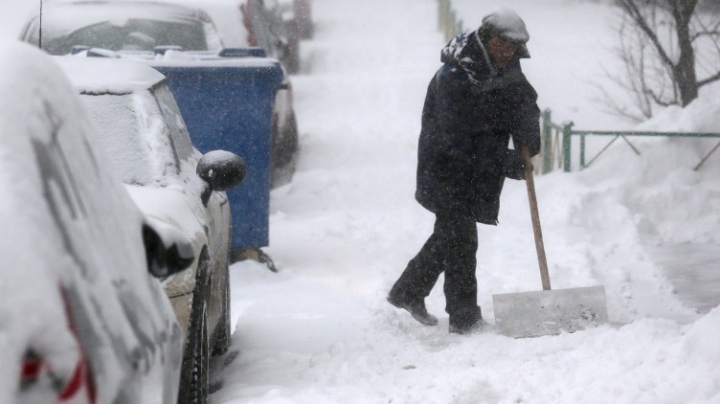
{"type": "Point", "coordinates": [140, 125]}
{"type": "Point", "coordinates": [84, 318]}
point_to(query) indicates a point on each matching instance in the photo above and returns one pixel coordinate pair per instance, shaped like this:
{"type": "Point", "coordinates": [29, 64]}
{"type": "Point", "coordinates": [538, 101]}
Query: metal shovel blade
{"type": "Point", "coordinates": [549, 312]}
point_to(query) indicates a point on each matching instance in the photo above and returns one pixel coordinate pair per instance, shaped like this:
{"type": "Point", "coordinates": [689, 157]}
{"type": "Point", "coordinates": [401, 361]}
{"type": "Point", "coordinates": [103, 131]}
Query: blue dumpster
{"type": "Point", "coordinates": [227, 102]}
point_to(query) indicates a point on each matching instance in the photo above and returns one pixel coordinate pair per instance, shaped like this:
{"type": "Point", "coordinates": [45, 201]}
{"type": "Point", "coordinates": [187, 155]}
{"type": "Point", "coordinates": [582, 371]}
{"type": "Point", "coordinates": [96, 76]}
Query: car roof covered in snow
{"type": "Point", "coordinates": [108, 75]}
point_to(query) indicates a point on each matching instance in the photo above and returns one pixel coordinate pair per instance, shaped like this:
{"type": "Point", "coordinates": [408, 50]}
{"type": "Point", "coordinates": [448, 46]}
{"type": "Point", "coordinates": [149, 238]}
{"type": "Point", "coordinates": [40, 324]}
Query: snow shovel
{"type": "Point", "coordinates": [547, 312]}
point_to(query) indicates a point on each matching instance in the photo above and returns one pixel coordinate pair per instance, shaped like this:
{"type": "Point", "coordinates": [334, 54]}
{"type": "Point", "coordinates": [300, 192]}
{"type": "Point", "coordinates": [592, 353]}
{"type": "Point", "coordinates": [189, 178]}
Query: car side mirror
{"type": "Point", "coordinates": [222, 170]}
{"type": "Point", "coordinates": [167, 250]}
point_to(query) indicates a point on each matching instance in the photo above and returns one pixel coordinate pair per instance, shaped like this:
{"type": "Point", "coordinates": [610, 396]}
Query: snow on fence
{"type": "Point", "coordinates": [557, 150]}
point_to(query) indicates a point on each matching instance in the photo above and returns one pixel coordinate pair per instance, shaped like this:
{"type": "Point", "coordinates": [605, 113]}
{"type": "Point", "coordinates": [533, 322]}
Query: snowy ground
{"type": "Point", "coordinates": [320, 331]}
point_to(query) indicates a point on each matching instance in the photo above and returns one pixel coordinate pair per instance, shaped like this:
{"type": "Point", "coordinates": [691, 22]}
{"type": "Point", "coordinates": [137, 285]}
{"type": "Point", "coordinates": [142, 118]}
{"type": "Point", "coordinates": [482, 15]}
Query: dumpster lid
{"type": "Point", "coordinates": [251, 51]}
{"type": "Point", "coordinates": [228, 57]}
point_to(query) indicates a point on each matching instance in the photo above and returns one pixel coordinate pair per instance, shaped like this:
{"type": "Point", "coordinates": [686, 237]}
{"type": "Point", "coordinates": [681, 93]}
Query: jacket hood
{"type": "Point", "coordinates": [466, 52]}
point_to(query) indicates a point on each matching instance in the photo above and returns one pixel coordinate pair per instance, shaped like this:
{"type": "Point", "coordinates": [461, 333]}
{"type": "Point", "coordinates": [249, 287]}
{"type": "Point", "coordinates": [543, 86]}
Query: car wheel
{"type": "Point", "coordinates": [289, 147]}
{"type": "Point", "coordinates": [276, 142]}
{"type": "Point", "coordinates": [222, 343]}
{"type": "Point", "coordinates": [293, 62]}
{"type": "Point", "coordinates": [285, 153]}
{"type": "Point", "coordinates": [199, 385]}
{"type": "Point", "coordinates": [194, 377]}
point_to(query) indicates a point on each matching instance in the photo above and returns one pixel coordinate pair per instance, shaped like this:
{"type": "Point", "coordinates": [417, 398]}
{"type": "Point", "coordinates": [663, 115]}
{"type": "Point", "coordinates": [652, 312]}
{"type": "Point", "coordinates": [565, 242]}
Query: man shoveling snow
{"type": "Point", "coordinates": [475, 102]}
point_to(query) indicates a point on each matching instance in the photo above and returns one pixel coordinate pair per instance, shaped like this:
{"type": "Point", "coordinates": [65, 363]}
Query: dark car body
{"type": "Point", "coordinates": [271, 27]}
{"type": "Point", "coordinates": [296, 15]}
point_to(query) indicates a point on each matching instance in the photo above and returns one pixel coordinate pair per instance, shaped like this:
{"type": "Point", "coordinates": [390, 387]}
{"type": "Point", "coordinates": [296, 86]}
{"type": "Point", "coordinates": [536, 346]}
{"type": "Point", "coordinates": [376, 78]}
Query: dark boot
{"type": "Point", "coordinates": [415, 307]}
{"type": "Point", "coordinates": [466, 321]}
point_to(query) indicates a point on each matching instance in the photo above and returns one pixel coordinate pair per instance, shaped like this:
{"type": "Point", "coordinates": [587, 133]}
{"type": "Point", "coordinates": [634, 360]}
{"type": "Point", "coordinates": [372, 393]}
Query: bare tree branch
{"type": "Point", "coordinates": [709, 80]}
{"type": "Point", "coordinates": [634, 12]}
{"type": "Point", "coordinates": [663, 46]}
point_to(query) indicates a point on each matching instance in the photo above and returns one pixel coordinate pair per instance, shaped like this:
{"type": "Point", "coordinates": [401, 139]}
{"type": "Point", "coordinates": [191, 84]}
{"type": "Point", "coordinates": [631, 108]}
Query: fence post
{"type": "Point", "coordinates": [446, 22]}
{"type": "Point", "coordinates": [439, 11]}
{"type": "Point", "coordinates": [441, 15]}
{"type": "Point", "coordinates": [446, 19]}
{"type": "Point", "coordinates": [567, 146]}
{"type": "Point", "coordinates": [546, 142]}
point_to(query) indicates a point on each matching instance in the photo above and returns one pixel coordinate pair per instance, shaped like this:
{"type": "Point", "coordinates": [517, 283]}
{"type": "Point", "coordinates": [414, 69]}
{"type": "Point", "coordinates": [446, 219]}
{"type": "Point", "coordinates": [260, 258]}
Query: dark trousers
{"type": "Point", "coordinates": [450, 249]}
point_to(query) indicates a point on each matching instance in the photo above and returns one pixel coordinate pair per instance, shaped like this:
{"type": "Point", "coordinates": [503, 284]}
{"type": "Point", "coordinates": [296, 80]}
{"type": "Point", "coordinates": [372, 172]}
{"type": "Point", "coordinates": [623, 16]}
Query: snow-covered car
{"type": "Point", "coordinates": [140, 125]}
{"type": "Point", "coordinates": [295, 17]}
{"type": "Point", "coordinates": [64, 21]}
{"type": "Point", "coordinates": [115, 25]}
{"type": "Point", "coordinates": [84, 315]}
{"type": "Point", "coordinates": [271, 27]}
{"type": "Point", "coordinates": [302, 18]}
{"type": "Point", "coordinates": [262, 23]}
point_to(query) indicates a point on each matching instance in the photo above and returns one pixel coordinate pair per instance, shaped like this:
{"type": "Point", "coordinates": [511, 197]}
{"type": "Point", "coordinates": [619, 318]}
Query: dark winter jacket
{"type": "Point", "coordinates": [471, 110]}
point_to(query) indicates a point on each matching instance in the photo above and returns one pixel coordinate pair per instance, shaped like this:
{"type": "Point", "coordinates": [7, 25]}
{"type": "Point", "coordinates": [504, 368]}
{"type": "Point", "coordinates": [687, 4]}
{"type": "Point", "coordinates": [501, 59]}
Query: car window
{"type": "Point", "coordinates": [173, 118]}
{"type": "Point", "coordinates": [213, 37]}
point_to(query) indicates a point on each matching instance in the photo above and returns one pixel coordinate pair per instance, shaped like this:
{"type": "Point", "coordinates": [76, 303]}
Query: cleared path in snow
{"type": "Point", "coordinates": [694, 270]}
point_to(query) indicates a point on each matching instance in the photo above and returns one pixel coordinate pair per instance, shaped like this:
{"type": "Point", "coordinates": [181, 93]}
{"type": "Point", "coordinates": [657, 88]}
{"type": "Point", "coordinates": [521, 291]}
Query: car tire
{"type": "Point", "coordinates": [195, 374]}
{"type": "Point", "coordinates": [289, 146]}
{"type": "Point", "coordinates": [291, 139]}
{"type": "Point", "coordinates": [293, 57]}
{"type": "Point", "coordinates": [285, 152]}
{"type": "Point", "coordinates": [276, 143]}
{"type": "Point", "coordinates": [222, 341]}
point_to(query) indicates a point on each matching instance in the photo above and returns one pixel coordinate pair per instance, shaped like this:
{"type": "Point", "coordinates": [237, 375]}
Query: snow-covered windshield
{"type": "Point", "coordinates": [146, 133]}
{"type": "Point", "coordinates": [117, 124]}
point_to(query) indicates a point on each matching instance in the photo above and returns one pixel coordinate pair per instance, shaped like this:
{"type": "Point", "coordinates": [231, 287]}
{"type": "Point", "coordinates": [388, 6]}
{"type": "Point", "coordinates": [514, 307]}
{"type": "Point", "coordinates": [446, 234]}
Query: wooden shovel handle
{"type": "Point", "coordinates": [535, 216]}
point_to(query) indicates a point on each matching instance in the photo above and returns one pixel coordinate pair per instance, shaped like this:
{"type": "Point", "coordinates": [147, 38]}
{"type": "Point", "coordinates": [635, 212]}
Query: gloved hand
{"type": "Point", "coordinates": [513, 165]}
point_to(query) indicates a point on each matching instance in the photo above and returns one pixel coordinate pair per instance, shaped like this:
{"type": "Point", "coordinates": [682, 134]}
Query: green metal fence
{"type": "Point", "coordinates": [550, 150]}
{"type": "Point", "coordinates": [553, 152]}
